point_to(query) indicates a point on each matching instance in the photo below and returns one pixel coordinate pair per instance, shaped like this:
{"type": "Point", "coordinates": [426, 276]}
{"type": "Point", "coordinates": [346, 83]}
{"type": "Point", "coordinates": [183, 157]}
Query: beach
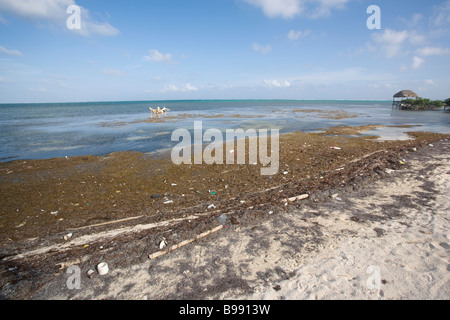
{"type": "Point", "coordinates": [369, 204]}
{"type": "Point", "coordinates": [248, 150]}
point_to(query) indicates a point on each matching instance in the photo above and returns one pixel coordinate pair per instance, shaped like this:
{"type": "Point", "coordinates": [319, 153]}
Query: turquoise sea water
{"type": "Point", "coordinates": [41, 131]}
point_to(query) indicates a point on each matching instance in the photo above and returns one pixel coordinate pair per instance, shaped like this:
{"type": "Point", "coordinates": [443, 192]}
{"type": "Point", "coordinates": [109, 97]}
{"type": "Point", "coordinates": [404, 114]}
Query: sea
{"type": "Point", "coordinates": [53, 130]}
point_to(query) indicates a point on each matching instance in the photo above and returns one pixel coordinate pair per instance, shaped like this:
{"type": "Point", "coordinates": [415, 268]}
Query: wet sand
{"type": "Point", "coordinates": [114, 208]}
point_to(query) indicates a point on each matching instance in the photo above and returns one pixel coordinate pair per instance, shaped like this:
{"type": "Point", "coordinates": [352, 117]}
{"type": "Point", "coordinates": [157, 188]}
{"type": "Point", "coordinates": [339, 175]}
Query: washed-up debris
{"type": "Point", "coordinates": [102, 268]}
{"type": "Point", "coordinates": [301, 197]}
{"type": "Point", "coordinates": [91, 273]}
{"type": "Point", "coordinates": [270, 212]}
{"type": "Point", "coordinates": [222, 219]}
{"type": "Point", "coordinates": [335, 148]}
{"type": "Point", "coordinates": [431, 145]}
{"type": "Point", "coordinates": [168, 202]}
{"type": "Point", "coordinates": [54, 213]}
{"type": "Point", "coordinates": [155, 196]}
{"type": "Point", "coordinates": [163, 244]}
{"type": "Point", "coordinates": [334, 196]}
{"type": "Point", "coordinates": [68, 236]}
{"type": "Point", "coordinates": [389, 171]}
{"type": "Point", "coordinates": [183, 243]}
{"type": "Point", "coordinates": [211, 206]}
{"type": "Point", "coordinates": [414, 149]}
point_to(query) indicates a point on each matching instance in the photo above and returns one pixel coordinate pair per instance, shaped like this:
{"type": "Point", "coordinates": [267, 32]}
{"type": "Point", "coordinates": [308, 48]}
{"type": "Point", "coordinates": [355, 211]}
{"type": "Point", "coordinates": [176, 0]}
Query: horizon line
{"type": "Point", "coordinates": [188, 100]}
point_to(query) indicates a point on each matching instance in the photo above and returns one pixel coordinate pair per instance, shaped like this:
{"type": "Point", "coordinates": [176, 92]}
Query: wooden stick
{"type": "Point", "coordinates": [184, 243]}
{"type": "Point", "coordinates": [107, 223]}
{"type": "Point", "coordinates": [302, 197]}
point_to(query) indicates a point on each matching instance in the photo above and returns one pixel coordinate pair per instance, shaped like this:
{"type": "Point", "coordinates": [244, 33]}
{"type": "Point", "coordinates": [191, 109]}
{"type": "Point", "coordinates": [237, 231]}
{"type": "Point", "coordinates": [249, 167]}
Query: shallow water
{"type": "Point", "coordinates": [41, 131]}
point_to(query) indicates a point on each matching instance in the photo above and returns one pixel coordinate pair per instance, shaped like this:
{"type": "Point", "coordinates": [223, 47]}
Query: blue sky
{"type": "Point", "coordinates": [222, 49]}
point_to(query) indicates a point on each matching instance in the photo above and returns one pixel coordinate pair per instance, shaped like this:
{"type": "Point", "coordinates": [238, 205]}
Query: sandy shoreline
{"type": "Point", "coordinates": [306, 250]}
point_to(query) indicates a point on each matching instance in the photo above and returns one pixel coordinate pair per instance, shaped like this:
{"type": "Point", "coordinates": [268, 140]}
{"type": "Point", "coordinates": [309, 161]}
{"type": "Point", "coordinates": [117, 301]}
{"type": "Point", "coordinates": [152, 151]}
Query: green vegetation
{"type": "Point", "coordinates": [447, 102]}
{"type": "Point", "coordinates": [423, 104]}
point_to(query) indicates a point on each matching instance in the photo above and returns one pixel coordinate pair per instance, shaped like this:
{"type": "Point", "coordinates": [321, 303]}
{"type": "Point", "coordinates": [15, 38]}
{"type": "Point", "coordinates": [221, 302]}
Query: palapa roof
{"type": "Point", "coordinates": [406, 94]}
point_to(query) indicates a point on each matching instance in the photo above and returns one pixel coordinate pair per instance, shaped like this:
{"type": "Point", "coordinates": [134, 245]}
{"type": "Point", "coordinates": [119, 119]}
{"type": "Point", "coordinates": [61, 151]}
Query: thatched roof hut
{"type": "Point", "coordinates": [406, 94]}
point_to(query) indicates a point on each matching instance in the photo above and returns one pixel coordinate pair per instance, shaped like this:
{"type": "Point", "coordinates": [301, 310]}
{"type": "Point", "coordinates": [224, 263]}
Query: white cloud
{"type": "Point", "coordinates": [16, 53]}
{"type": "Point", "coordinates": [295, 35]}
{"type": "Point", "coordinates": [55, 12]}
{"type": "Point", "coordinates": [391, 41]}
{"type": "Point", "coordinates": [288, 9]}
{"type": "Point", "coordinates": [261, 49]}
{"type": "Point", "coordinates": [157, 56]}
{"type": "Point", "coordinates": [113, 72]}
{"type": "Point", "coordinates": [4, 80]}
{"type": "Point", "coordinates": [433, 51]}
{"type": "Point", "coordinates": [394, 43]}
{"type": "Point", "coordinates": [403, 68]}
{"type": "Point", "coordinates": [430, 82]}
{"type": "Point", "coordinates": [277, 84]}
{"type": "Point", "coordinates": [417, 62]}
{"type": "Point", "coordinates": [325, 7]}
{"type": "Point", "coordinates": [189, 87]}
{"type": "Point", "coordinates": [442, 16]}
{"type": "Point", "coordinates": [284, 8]}
{"type": "Point", "coordinates": [184, 88]}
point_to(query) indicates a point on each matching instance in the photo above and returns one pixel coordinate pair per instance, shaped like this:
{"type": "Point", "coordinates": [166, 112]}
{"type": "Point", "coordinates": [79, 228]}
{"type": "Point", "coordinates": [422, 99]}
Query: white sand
{"type": "Point", "coordinates": [412, 257]}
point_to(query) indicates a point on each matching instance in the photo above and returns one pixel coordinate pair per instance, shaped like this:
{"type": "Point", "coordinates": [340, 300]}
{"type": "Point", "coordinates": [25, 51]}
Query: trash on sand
{"type": "Point", "coordinates": [334, 196]}
{"type": "Point", "coordinates": [91, 273]}
{"type": "Point", "coordinates": [285, 172]}
{"type": "Point", "coordinates": [117, 191]}
{"type": "Point", "coordinates": [431, 145]}
{"type": "Point", "coordinates": [301, 197]}
{"type": "Point", "coordinates": [174, 184]}
{"type": "Point", "coordinates": [213, 193]}
{"type": "Point", "coordinates": [222, 219]}
{"type": "Point", "coordinates": [389, 171]}
{"type": "Point", "coordinates": [155, 196]}
{"type": "Point", "coordinates": [163, 244]}
{"type": "Point", "coordinates": [402, 162]}
{"type": "Point", "coordinates": [68, 236]}
{"type": "Point", "coordinates": [211, 206]}
{"type": "Point", "coordinates": [102, 268]}
{"type": "Point", "coordinates": [54, 212]}
{"type": "Point", "coordinates": [413, 149]}
{"type": "Point", "coordinates": [270, 212]}
{"type": "Point", "coordinates": [168, 202]}
{"type": "Point", "coordinates": [335, 148]}
{"type": "Point", "coordinates": [184, 243]}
